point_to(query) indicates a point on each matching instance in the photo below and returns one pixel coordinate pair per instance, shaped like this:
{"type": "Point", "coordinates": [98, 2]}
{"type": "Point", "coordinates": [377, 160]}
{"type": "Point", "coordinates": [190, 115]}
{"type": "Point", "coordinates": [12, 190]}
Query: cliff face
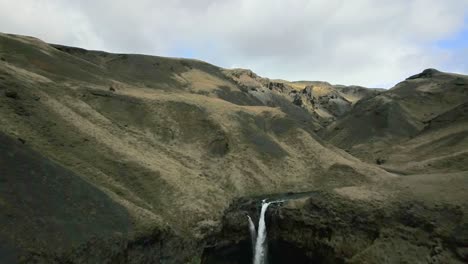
{"type": "Point", "coordinates": [379, 224]}
{"type": "Point", "coordinates": [324, 102]}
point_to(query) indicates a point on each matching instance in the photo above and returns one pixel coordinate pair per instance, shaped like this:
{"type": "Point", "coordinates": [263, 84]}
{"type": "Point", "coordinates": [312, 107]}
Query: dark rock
{"type": "Point", "coordinates": [297, 100]}
{"type": "Point", "coordinates": [460, 82]}
{"type": "Point", "coordinates": [2, 59]}
{"type": "Point", "coordinates": [312, 231]}
{"type": "Point", "coordinates": [308, 91]}
{"type": "Point", "coordinates": [219, 146]}
{"type": "Point", "coordinates": [460, 240]}
{"type": "Point", "coordinates": [112, 89]}
{"type": "Point", "coordinates": [11, 94]}
{"type": "Point", "coordinates": [186, 64]}
{"type": "Point", "coordinates": [22, 140]}
{"type": "Point", "coordinates": [427, 73]}
{"type": "Point", "coordinates": [100, 93]}
{"type": "Point", "coordinates": [380, 161]}
{"type": "Point", "coordinates": [277, 86]}
{"type": "Point", "coordinates": [462, 252]}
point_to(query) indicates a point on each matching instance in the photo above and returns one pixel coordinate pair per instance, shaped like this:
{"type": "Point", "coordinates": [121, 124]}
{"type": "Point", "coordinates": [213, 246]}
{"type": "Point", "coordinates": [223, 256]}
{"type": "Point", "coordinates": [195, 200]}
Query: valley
{"type": "Point", "coordinates": [128, 158]}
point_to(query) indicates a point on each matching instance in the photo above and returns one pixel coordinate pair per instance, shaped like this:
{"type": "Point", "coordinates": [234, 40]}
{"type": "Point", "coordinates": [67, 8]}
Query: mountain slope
{"type": "Point", "coordinates": [394, 126]}
{"type": "Point", "coordinates": [171, 141]}
{"type": "Point", "coordinates": [50, 204]}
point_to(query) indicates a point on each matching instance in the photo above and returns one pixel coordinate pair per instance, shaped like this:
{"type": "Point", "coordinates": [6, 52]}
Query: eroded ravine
{"type": "Point", "coordinates": [324, 227]}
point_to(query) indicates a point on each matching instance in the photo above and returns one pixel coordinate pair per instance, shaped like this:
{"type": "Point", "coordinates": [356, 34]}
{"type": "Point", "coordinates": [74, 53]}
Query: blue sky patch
{"type": "Point", "coordinates": [456, 41]}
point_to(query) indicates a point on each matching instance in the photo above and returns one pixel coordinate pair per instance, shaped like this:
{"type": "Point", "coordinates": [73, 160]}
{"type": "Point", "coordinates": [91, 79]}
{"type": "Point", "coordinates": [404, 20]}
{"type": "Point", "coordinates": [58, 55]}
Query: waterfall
{"type": "Point", "coordinates": [259, 243]}
{"type": "Point", "coordinates": [253, 233]}
{"type": "Point", "coordinates": [261, 251]}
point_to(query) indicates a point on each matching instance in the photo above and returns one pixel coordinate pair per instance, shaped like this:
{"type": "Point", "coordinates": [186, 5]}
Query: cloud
{"type": "Point", "coordinates": [361, 42]}
{"type": "Point", "coordinates": [50, 20]}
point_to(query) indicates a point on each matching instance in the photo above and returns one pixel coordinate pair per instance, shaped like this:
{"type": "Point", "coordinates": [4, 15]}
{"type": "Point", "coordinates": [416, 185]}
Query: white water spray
{"type": "Point", "coordinates": [261, 250]}
{"type": "Point", "coordinates": [259, 244]}
{"type": "Point", "coordinates": [253, 233]}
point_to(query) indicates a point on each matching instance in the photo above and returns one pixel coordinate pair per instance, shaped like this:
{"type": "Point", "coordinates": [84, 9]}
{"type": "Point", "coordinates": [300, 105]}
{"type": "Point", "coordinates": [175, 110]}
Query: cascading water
{"type": "Point", "coordinates": [261, 251]}
{"type": "Point", "coordinates": [259, 244]}
{"type": "Point", "coordinates": [253, 233]}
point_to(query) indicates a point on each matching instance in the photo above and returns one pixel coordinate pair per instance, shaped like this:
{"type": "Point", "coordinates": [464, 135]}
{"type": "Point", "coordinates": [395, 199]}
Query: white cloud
{"type": "Point", "coordinates": [50, 20]}
{"type": "Point", "coordinates": [352, 42]}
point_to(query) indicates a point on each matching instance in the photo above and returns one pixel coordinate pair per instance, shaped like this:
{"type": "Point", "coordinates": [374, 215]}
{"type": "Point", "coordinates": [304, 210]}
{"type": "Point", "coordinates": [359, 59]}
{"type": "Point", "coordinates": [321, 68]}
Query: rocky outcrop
{"type": "Point", "coordinates": [325, 102]}
{"type": "Point", "coordinates": [427, 73]}
{"type": "Point", "coordinates": [336, 230]}
{"type": "Point", "coordinates": [327, 228]}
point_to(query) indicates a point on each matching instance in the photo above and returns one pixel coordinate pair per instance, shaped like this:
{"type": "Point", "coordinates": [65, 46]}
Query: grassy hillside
{"type": "Point", "coordinates": [419, 122]}
{"type": "Point", "coordinates": [46, 206]}
{"type": "Point", "coordinates": [160, 142]}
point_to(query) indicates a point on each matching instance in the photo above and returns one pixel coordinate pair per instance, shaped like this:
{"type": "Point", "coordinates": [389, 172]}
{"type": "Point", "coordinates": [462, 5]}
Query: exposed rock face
{"type": "Point", "coordinates": [341, 230]}
{"type": "Point", "coordinates": [329, 228]}
{"type": "Point", "coordinates": [427, 73]}
{"type": "Point", "coordinates": [325, 102]}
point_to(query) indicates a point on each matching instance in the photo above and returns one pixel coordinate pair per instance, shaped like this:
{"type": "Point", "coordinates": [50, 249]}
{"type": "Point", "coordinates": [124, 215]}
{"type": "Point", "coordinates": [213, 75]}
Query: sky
{"type": "Point", "coordinates": [362, 42]}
